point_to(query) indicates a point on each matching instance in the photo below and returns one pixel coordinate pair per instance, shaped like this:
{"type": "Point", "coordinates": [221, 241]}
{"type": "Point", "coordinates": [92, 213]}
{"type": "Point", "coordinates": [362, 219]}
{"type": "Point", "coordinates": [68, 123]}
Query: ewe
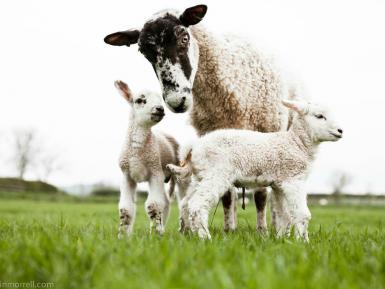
{"type": "Point", "coordinates": [225, 158]}
{"type": "Point", "coordinates": [223, 80]}
{"type": "Point", "coordinates": [143, 159]}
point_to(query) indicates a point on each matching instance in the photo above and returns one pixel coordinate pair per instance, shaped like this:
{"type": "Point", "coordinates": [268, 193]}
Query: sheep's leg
{"type": "Point", "coordinates": [295, 198]}
{"type": "Point", "coordinates": [205, 196]}
{"type": "Point", "coordinates": [260, 197]}
{"type": "Point", "coordinates": [230, 209]}
{"type": "Point", "coordinates": [157, 204]}
{"type": "Point", "coordinates": [127, 206]}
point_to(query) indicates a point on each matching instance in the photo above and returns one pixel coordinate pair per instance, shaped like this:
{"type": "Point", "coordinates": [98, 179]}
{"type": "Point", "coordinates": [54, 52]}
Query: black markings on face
{"type": "Point", "coordinates": [141, 100]}
{"type": "Point", "coordinates": [165, 40]}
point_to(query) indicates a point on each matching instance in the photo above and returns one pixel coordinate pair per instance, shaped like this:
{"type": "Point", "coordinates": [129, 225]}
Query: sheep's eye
{"type": "Point", "coordinates": [320, 116]}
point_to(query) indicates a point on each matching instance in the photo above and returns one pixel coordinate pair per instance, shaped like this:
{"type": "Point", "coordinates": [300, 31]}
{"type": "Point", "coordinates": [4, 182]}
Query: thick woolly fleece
{"type": "Point", "coordinates": [248, 158]}
{"type": "Point", "coordinates": [236, 86]}
{"type": "Point", "coordinates": [143, 159]}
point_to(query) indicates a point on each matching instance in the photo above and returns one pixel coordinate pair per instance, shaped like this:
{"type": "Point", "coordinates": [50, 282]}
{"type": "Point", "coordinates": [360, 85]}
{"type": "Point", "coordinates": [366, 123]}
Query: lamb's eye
{"type": "Point", "coordinates": [320, 116]}
{"type": "Point", "coordinates": [140, 101]}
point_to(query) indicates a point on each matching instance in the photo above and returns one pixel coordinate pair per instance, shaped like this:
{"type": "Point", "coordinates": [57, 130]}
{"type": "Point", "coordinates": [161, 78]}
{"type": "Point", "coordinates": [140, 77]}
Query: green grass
{"type": "Point", "coordinates": [75, 246]}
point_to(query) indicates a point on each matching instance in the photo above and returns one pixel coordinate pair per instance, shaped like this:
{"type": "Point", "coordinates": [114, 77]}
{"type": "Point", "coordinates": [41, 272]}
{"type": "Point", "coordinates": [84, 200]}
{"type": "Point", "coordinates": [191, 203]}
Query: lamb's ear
{"type": "Point", "coordinates": [298, 106]}
{"type": "Point", "coordinates": [127, 38]}
{"type": "Point", "coordinates": [124, 90]}
{"type": "Point", "coordinates": [193, 15]}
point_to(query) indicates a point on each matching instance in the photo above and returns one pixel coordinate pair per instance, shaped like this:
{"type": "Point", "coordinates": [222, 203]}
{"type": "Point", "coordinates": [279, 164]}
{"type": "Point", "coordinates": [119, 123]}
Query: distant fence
{"type": "Point", "coordinates": [346, 199]}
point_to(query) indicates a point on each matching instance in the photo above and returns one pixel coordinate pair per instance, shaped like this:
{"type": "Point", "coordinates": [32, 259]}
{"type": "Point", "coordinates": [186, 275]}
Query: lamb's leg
{"type": "Point", "coordinates": [127, 206]}
{"type": "Point", "coordinates": [230, 210]}
{"type": "Point", "coordinates": [295, 198]}
{"type": "Point", "coordinates": [157, 204]}
{"type": "Point", "coordinates": [260, 196]}
{"type": "Point", "coordinates": [183, 196]}
{"type": "Point", "coordinates": [205, 196]}
{"type": "Point", "coordinates": [280, 214]}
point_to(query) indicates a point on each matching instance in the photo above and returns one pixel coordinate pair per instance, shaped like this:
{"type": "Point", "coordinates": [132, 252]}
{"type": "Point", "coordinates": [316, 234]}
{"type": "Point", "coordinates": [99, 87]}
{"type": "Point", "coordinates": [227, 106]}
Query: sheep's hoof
{"type": "Point", "coordinates": [262, 230]}
{"type": "Point", "coordinates": [230, 228]}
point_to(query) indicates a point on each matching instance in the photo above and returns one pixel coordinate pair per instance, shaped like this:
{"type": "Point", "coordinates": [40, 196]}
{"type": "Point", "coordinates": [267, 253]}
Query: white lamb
{"type": "Point", "coordinates": [247, 158]}
{"type": "Point", "coordinates": [143, 159]}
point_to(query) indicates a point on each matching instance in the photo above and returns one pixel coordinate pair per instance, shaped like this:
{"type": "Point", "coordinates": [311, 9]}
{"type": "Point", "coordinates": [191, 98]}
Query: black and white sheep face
{"type": "Point", "coordinates": [146, 106]}
{"type": "Point", "coordinates": [173, 53]}
{"type": "Point", "coordinates": [167, 43]}
{"type": "Point", "coordinates": [320, 121]}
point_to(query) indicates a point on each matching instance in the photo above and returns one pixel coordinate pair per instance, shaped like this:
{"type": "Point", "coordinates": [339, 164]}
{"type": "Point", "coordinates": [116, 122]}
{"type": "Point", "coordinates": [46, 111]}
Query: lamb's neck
{"type": "Point", "coordinates": [303, 138]}
{"type": "Point", "coordinates": [139, 135]}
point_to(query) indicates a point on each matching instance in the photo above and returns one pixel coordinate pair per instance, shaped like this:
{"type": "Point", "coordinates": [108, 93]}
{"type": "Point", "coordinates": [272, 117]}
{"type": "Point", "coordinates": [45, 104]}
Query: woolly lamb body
{"type": "Point", "coordinates": [248, 158]}
{"type": "Point", "coordinates": [143, 159]}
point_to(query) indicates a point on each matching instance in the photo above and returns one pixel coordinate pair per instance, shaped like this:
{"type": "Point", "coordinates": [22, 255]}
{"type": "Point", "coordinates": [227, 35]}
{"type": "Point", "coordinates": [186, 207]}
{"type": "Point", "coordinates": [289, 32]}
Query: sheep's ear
{"type": "Point", "coordinates": [193, 15]}
{"type": "Point", "coordinates": [124, 90]}
{"type": "Point", "coordinates": [127, 38]}
{"type": "Point", "coordinates": [298, 106]}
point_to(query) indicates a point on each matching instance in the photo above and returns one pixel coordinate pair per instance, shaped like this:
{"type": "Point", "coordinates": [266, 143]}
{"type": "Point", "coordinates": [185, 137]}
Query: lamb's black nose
{"type": "Point", "coordinates": [340, 130]}
{"type": "Point", "coordinates": [159, 109]}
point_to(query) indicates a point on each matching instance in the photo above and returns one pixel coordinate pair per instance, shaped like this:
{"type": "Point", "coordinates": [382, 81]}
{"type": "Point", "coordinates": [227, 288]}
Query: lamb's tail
{"type": "Point", "coordinates": [184, 170]}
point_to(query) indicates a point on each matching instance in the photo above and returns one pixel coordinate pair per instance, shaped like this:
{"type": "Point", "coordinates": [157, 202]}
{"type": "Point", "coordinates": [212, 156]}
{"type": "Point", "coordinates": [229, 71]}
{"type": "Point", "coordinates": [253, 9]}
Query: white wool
{"type": "Point", "coordinates": [247, 158]}
{"type": "Point", "coordinates": [144, 157]}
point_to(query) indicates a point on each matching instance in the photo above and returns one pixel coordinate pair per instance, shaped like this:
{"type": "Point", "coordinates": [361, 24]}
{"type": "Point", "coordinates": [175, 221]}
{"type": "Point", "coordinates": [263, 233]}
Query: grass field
{"type": "Point", "coordinates": [75, 246]}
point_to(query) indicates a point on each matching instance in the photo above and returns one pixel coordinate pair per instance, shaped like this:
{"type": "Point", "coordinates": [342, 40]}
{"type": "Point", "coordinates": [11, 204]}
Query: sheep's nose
{"type": "Point", "coordinates": [159, 108]}
{"type": "Point", "coordinates": [340, 131]}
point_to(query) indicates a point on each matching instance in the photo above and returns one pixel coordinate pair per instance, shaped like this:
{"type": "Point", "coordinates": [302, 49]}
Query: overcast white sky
{"type": "Point", "coordinates": [56, 76]}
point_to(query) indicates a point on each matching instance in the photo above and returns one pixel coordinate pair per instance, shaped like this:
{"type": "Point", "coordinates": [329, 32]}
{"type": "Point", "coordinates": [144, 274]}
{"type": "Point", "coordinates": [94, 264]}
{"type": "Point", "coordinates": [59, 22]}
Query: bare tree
{"type": "Point", "coordinates": [25, 150]}
{"type": "Point", "coordinates": [30, 152]}
{"type": "Point", "coordinates": [339, 182]}
{"type": "Point", "coordinates": [48, 163]}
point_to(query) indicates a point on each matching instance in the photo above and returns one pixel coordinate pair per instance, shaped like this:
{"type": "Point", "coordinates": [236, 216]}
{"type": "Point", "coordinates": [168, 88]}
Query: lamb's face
{"type": "Point", "coordinates": [167, 43]}
{"type": "Point", "coordinates": [319, 120]}
{"type": "Point", "coordinates": [147, 108]}
{"type": "Point", "coordinates": [322, 123]}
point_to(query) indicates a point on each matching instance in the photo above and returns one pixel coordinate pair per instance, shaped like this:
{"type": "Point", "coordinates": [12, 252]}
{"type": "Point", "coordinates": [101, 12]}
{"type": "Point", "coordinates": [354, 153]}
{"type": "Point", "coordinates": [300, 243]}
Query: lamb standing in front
{"type": "Point", "coordinates": [246, 158]}
{"type": "Point", "coordinates": [143, 159]}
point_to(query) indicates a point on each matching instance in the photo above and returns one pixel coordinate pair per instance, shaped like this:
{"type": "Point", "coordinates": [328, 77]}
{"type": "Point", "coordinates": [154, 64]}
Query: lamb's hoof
{"type": "Point", "coordinates": [156, 222]}
{"type": "Point", "coordinates": [125, 226]}
{"type": "Point", "coordinates": [204, 235]}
